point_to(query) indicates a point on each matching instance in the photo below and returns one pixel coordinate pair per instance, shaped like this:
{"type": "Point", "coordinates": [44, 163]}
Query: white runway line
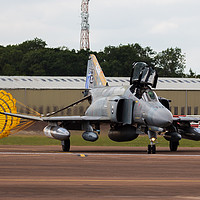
{"type": "Point", "coordinates": [97, 154]}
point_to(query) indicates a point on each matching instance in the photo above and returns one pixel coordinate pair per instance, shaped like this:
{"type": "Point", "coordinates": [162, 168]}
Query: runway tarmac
{"type": "Point", "coordinates": [45, 172]}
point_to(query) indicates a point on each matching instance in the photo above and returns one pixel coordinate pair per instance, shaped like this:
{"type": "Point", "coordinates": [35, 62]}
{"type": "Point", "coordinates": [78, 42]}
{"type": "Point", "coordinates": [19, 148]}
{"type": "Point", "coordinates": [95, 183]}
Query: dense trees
{"type": "Point", "coordinates": [170, 61]}
{"type": "Point", "coordinates": [34, 58]}
{"type": "Point", "coordinates": [117, 61]}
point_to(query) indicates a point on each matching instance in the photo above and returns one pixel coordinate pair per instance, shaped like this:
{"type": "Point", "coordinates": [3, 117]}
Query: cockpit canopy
{"type": "Point", "coordinates": [143, 74]}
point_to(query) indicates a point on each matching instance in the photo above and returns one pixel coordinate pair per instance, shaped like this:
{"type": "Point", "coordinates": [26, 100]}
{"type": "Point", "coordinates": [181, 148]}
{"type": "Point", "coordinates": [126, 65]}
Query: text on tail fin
{"type": "Point", "coordinates": [95, 76]}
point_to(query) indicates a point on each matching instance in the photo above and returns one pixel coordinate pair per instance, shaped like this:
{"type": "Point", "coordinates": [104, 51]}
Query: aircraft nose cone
{"type": "Point", "coordinates": [160, 118]}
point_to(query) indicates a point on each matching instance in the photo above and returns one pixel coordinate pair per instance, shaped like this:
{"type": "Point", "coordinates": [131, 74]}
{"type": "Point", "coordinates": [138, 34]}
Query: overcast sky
{"type": "Point", "coordinates": [160, 24]}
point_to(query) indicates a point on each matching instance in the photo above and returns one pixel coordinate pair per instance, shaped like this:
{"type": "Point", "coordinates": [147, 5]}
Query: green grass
{"type": "Point", "coordinates": [27, 140]}
{"type": "Point", "coordinates": [76, 140]}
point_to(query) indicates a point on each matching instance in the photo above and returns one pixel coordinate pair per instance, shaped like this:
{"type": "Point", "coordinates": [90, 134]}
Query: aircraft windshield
{"type": "Point", "coordinates": [150, 95]}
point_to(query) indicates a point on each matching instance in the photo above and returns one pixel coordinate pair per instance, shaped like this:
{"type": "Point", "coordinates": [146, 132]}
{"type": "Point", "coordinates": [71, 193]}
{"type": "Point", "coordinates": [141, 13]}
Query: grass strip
{"type": "Point", "coordinates": [77, 140]}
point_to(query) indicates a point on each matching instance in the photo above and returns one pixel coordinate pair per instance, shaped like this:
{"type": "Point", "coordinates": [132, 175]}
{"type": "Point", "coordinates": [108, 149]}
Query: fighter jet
{"type": "Point", "coordinates": [130, 110]}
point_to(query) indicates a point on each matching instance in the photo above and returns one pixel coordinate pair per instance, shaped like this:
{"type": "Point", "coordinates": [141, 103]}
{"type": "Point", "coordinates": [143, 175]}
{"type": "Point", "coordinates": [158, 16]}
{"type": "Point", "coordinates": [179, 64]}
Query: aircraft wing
{"type": "Point", "coordinates": [186, 119]}
{"type": "Point", "coordinates": [58, 118]}
{"type": "Point", "coordinates": [29, 117]}
{"type": "Point", "coordinates": [76, 118]}
{"type": "Point", "coordinates": [87, 118]}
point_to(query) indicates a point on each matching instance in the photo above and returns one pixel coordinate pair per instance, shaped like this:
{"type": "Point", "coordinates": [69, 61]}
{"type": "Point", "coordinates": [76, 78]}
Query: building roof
{"type": "Point", "coordinates": [178, 84]}
{"type": "Point", "coordinates": [72, 82]}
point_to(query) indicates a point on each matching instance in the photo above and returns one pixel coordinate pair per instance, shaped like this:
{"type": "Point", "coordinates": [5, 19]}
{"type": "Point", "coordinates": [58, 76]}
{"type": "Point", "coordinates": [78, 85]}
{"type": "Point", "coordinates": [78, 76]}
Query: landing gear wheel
{"type": "Point", "coordinates": [173, 146]}
{"type": "Point", "coordinates": [65, 145]}
{"type": "Point", "coordinates": [151, 149]}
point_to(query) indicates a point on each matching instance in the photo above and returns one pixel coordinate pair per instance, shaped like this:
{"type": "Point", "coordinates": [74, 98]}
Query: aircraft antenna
{"type": "Point", "coordinates": [84, 41]}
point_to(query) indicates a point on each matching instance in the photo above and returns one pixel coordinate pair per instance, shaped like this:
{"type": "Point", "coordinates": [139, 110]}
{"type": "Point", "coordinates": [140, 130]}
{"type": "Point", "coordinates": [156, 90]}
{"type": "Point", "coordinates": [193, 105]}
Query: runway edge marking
{"type": "Point", "coordinates": [97, 154]}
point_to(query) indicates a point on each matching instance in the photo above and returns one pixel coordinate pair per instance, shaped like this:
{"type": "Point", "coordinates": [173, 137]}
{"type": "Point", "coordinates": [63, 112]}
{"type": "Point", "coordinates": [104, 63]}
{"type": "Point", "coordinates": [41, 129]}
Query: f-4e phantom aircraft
{"type": "Point", "coordinates": [130, 110]}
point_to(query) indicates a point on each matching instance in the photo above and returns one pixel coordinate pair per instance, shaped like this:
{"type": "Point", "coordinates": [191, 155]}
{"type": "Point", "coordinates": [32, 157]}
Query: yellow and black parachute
{"type": "Point", "coordinates": [9, 124]}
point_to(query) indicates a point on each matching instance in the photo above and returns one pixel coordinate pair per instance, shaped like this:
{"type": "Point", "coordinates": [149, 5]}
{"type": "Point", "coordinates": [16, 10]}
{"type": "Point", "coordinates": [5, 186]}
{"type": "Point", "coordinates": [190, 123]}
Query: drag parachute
{"type": "Point", "coordinates": [9, 124]}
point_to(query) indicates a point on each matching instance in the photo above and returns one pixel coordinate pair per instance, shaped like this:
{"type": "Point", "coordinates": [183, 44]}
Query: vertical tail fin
{"type": "Point", "coordinates": [95, 76]}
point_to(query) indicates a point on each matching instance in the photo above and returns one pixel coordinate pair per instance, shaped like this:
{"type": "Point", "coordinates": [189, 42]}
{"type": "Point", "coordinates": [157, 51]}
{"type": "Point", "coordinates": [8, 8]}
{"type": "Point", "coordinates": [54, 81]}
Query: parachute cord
{"type": "Point", "coordinates": [23, 127]}
{"type": "Point", "coordinates": [29, 109]}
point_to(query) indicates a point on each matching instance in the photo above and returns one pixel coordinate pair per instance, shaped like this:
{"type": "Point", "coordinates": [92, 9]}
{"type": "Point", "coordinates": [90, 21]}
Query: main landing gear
{"type": "Point", "coordinates": [173, 145]}
{"type": "Point", "coordinates": [65, 145]}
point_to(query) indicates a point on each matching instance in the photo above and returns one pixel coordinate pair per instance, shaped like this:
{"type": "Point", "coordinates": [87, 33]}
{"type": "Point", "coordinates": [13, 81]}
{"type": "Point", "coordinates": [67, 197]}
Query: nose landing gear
{"type": "Point", "coordinates": [151, 149]}
{"type": "Point", "coordinates": [152, 146]}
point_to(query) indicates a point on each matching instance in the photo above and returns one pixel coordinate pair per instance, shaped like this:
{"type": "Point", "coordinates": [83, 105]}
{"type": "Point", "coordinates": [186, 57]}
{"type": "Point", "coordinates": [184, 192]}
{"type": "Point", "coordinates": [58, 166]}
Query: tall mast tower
{"type": "Point", "coordinates": [84, 41]}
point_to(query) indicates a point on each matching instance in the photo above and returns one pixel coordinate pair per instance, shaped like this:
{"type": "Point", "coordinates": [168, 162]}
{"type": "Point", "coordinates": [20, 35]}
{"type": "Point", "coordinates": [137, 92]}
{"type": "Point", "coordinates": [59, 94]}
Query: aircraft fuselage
{"type": "Point", "coordinates": [114, 102]}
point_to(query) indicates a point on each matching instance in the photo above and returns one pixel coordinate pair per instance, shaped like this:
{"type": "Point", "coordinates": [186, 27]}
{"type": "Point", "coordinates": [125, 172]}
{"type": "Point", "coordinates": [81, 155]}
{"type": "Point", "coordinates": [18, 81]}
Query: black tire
{"type": "Point", "coordinates": [66, 145]}
{"type": "Point", "coordinates": [173, 146]}
{"type": "Point", "coordinates": [153, 149]}
{"type": "Point", "coordinates": [149, 149]}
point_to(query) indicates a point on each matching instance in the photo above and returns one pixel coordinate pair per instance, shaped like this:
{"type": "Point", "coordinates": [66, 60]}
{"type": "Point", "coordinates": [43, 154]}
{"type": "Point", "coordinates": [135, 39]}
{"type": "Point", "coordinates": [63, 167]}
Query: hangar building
{"type": "Point", "coordinates": [48, 94]}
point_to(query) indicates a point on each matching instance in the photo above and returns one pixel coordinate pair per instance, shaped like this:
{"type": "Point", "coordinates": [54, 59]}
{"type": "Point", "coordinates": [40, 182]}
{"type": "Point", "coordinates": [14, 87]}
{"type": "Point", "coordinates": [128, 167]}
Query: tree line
{"type": "Point", "coordinates": [34, 58]}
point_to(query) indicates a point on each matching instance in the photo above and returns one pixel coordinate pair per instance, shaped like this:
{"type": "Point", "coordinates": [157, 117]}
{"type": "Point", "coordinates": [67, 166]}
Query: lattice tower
{"type": "Point", "coordinates": [84, 41]}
